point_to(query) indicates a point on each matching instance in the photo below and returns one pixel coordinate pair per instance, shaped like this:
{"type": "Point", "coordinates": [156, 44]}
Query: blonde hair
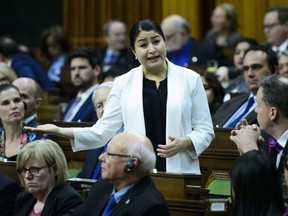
{"type": "Point", "coordinates": [47, 152]}
{"type": "Point", "coordinates": [7, 72]}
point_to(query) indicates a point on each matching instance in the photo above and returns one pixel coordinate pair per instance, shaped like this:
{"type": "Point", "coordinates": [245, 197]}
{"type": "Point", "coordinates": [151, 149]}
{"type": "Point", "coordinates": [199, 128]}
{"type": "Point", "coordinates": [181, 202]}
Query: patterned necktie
{"type": "Point", "coordinates": [250, 103]}
{"type": "Point", "coordinates": [109, 206]}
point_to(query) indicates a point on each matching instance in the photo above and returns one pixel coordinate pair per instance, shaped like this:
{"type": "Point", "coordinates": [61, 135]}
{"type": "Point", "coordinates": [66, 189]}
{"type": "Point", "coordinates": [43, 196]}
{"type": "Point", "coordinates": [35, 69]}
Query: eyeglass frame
{"type": "Point", "coordinates": [36, 172]}
{"type": "Point", "coordinates": [117, 155]}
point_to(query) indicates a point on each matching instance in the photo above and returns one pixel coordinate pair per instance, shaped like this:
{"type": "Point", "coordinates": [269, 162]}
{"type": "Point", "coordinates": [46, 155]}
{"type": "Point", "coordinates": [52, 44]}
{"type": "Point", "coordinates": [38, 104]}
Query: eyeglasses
{"type": "Point", "coordinates": [100, 105]}
{"type": "Point", "coordinates": [270, 26]}
{"type": "Point", "coordinates": [117, 155]}
{"type": "Point", "coordinates": [32, 171]}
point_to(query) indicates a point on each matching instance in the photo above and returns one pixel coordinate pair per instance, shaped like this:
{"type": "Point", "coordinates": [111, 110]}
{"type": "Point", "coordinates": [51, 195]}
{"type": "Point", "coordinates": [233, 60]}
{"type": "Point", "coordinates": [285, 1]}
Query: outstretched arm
{"type": "Point", "coordinates": [52, 129]}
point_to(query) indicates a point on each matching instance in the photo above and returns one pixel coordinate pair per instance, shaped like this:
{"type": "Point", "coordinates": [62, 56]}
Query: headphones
{"type": "Point", "coordinates": [130, 165]}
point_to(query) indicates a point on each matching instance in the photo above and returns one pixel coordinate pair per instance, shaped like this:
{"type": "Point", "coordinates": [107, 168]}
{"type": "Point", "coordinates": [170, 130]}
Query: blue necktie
{"type": "Point", "coordinates": [249, 104]}
{"type": "Point", "coordinates": [97, 170]}
{"type": "Point", "coordinates": [110, 204]}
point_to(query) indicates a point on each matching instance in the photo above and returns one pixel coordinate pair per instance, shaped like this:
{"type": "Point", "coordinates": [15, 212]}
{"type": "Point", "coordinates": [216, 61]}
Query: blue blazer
{"type": "Point", "coordinates": [26, 66]}
{"type": "Point", "coordinates": [227, 109]}
{"type": "Point", "coordinates": [8, 193]}
{"type": "Point", "coordinates": [86, 113]}
{"type": "Point", "coordinates": [90, 163]}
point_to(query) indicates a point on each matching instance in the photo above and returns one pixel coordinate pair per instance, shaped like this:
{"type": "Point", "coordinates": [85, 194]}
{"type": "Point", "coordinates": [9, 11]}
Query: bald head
{"type": "Point", "coordinates": [178, 22]}
{"type": "Point", "coordinates": [138, 146]}
{"type": "Point", "coordinates": [30, 92]}
{"type": "Point", "coordinates": [177, 32]}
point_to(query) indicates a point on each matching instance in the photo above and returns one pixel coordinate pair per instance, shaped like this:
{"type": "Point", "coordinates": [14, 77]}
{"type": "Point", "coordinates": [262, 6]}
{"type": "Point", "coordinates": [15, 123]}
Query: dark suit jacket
{"type": "Point", "coordinates": [124, 63]}
{"type": "Point", "coordinates": [86, 113]}
{"type": "Point", "coordinates": [142, 199]}
{"type": "Point", "coordinates": [90, 163]}
{"type": "Point", "coordinates": [26, 66]}
{"type": "Point", "coordinates": [8, 193]}
{"type": "Point", "coordinates": [227, 109]}
{"type": "Point", "coordinates": [32, 123]}
{"type": "Point", "coordinates": [59, 202]}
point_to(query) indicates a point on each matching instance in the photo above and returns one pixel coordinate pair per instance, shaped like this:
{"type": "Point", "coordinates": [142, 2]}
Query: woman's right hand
{"type": "Point", "coordinates": [45, 128]}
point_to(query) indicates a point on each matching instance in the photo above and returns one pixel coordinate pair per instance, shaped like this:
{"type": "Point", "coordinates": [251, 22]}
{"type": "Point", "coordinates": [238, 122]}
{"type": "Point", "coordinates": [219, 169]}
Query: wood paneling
{"type": "Point", "coordinates": [83, 19]}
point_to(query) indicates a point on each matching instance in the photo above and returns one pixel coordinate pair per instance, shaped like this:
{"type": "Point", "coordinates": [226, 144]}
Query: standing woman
{"type": "Point", "coordinates": [12, 135]}
{"type": "Point", "coordinates": [164, 101]}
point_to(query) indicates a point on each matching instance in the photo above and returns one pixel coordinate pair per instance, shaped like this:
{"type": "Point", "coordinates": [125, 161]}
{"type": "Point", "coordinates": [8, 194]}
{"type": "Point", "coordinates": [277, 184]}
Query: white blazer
{"type": "Point", "coordinates": [187, 115]}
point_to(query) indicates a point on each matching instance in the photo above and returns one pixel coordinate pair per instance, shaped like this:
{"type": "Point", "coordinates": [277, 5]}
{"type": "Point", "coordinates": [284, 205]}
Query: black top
{"type": "Point", "coordinates": [154, 103]}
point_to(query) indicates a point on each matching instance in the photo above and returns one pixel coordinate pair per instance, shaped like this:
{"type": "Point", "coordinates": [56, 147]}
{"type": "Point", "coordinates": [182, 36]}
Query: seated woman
{"type": "Point", "coordinates": [12, 135]}
{"type": "Point", "coordinates": [43, 172]}
{"type": "Point", "coordinates": [256, 186]}
{"type": "Point", "coordinates": [223, 34]}
{"type": "Point", "coordinates": [214, 91]}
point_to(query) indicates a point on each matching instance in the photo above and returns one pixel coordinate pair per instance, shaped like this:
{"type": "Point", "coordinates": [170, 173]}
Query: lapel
{"type": "Point", "coordinates": [283, 159]}
{"type": "Point", "coordinates": [133, 101]}
{"type": "Point", "coordinates": [228, 109]}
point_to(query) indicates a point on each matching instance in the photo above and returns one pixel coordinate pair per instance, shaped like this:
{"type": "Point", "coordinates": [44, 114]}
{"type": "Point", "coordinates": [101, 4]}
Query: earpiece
{"type": "Point", "coordinates": [130, 165]}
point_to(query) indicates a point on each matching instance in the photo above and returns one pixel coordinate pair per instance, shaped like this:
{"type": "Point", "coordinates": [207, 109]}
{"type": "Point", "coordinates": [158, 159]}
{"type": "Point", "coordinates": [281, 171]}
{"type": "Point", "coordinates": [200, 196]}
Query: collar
{"type": "Point", "coordinates": [283, 47]}
{"type": "Point", "coordinates": [30, 118]}
{"type": "Point", "coordinates": [84, 95]}
{"type": "Point", "coordinates": [283, 139]}
{"type": "Point", "coordinates": [119, 194]}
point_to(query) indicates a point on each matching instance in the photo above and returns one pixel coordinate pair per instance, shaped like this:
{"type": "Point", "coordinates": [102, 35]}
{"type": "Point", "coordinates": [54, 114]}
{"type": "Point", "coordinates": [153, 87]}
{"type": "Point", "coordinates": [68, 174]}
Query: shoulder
{"type": "Point", "coordinates": [7, 184]}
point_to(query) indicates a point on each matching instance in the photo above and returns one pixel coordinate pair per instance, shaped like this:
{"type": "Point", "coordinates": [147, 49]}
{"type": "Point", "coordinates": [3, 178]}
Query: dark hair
{"type": "Point", "coordinates": [59, 36]}
{"type": "Point", "coordinates": [256, 185]}
{"type": "Point", "coordinates": [274, 92]}
{"type": "Point", "coordinates": [143, 25]}
{"type": "Point", "coordinates": [282, 13]}
{"type": "Point", "coordinates": [8, 46]}
{"type": "Point", "coordinates": [217, 89]}
{"type": "Point", "coordinates": [272, 59]}
{"type": "Point", "coordinates": [250, 41]}
{"type": "Point", "coordinates": [84, 52]}
{"type": "Point", "coordinates": [7, 86]}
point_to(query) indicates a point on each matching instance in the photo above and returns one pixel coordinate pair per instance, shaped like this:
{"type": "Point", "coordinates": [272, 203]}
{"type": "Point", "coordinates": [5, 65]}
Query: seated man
{"type": "Point", "coordinates": [30, 92]}
{"type": "Point", "coordinates": [85, 71]}
{"type": "Point", "coordinates": [92, 166]}
{"type": "Point", "coordinates": [8, 193]}
{"type": "Point", "coordinates": [258, 63]}
{"type": "Point", "coordinates": [125, 182]}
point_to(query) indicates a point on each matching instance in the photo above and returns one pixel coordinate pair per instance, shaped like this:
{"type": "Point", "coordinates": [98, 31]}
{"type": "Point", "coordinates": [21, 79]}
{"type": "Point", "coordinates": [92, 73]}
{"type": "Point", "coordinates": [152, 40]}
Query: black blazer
{"type": "Point", "coordinates": [125, 62]}
{"type": "Point", "coordinates": [227, 109]}
{"type": "Point", "coordinates": [59, 202]}
{"type": "Point", "coordinates": [8, 193]}
{"type": "Point", "coordinates": [142, 199]}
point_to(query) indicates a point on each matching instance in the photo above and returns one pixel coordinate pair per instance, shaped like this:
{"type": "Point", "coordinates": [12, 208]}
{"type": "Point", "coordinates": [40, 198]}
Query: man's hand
{"type": "Point", "coordinates": [246, 137]}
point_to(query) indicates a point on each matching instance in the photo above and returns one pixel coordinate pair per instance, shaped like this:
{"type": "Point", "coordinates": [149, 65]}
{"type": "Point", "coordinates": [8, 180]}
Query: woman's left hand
{"type": "Point", "coordinates": [174, 146]}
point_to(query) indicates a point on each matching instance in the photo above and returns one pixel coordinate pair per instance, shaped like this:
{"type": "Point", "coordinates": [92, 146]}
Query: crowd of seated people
{"type": "Point", "coordinates": [91, 66]}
